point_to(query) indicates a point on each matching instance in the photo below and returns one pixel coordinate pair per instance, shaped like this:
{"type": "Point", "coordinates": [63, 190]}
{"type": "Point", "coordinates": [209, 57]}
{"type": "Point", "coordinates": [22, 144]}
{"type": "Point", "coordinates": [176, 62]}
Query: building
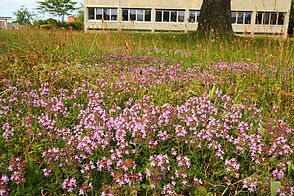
{"type": "Point", "coordinates": [250, 16]}
{"type": "Point", "coordinates": [71, 18]}
{"type": "Point", "coordinates": [4, 22]}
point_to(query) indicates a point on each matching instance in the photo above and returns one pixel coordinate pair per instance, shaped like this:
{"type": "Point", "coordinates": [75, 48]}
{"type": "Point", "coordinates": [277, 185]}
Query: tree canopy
{"type": "Point", "coordinates": [23, 16]}
{"type": "Point", "coordinates": [59, 8]}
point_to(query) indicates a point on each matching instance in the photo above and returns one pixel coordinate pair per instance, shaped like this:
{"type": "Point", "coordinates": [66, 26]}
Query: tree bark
{"type": "Point", "coordinates": [215, 17]}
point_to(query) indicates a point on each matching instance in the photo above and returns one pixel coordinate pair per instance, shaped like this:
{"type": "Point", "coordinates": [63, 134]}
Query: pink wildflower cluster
{"type": "Point", "coordinates": [114, 134]}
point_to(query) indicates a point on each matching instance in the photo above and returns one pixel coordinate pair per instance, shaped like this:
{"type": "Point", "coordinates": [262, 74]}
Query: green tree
{"type": "Point", "coordinates": [59, 8]}
{"type": "Point", "coordinates": [23, 16]}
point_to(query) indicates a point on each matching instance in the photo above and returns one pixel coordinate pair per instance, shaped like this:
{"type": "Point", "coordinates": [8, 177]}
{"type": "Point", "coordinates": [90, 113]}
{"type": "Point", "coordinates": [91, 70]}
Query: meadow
{"type": "Point", "coordinates": [135, 113]}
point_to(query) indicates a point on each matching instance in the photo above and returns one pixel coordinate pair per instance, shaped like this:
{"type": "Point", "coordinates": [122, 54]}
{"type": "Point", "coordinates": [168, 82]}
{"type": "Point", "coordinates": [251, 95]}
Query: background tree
{"type": "Point", "coordinates": [23, 16]}
{"type": "Point", "coordinates": [59, 8]}
{"type": "Point", "coordinates": [215, 16]}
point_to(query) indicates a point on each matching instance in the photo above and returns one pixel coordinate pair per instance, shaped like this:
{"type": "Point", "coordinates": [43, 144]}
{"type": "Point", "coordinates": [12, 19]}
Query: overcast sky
{"type": "Point", "coordinates": [7, 7]}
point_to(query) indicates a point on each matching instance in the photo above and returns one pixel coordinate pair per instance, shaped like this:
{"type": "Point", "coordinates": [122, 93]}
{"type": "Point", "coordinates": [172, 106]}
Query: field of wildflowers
{"type": "Point", "coordinates": [143, 121]}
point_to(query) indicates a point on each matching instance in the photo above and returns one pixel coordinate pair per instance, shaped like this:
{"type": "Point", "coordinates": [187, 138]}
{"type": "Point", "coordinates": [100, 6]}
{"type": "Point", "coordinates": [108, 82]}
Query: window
{"type": "Point", "coordinates": [173, 17]}
{"type": "Point", "coordinates": [114, 14]}
{"type": "Point", "coordinates": [143, 15]}
{"type": "Point", "coordinates": [181, 16]}
{"type": "Point", "coordinates": [91, 13]}
{"type": "Point", "coordinates": [158, 16]}
{"type": "Point", "coordinates": [247, 17]}
{"type": "Point", "coordinates": [241, 17]}
{"type": "Point", "coordinates": [99, 14]}
{"type": "Point", "coordinates": [266, 18]}
{"type": "Point", "coordinates": [147, 15]}
{"type": "Point", "coordinates": [125, 15]}
{"type": "Point", "coordinates": [270, 18]}
{"type": "Point", "coordinates": [132, 15]}
{"type": "Point", "coordinates": [273, 19]}
{"type": "Point", "coordinates": [166, 16]}
{"type": "Point", "coordinates": [233, 17]}
{"type": "Point", "coordinates": [108, 14]}
{"type": "Point", "coordinates": [194, 16]}
{"type": "Point", "coordinates": [281, 18]}
{"type": "Point", "coordinates": [170, 16]}
{"type": "Point", "coordinates": [140, 15]}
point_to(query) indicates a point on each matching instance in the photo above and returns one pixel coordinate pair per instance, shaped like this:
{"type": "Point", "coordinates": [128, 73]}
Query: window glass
{"type": "Point", "coordinates": [140, 15]}
{"type": "Point", "coordinates": [247, 18]}
{"type": "Point", "coordinates": [259, 18]}
{"type": "Point", "coordinates": [266, 18]}
{"type": "Point", "coordinates": [159, 16]}
{"type": "Point", "coordinates": [133, 15]}
{"type": "Point", "coordinates": [99, 14]}
{"type": "Point", "coordinates": [281, 18]}
{"type": "Point", "coordinates": [114, 14]}
{"type": "Point", "coordinates": [125, 15]}
{"type": "Point", "coordinates": [106, 14]}
{"type": "Point", "coordinates": [91, 13]}
{"type": "Point", "coordinates": [273, 20]}
{"type": "Point", "coordinates": [173, 17]}
{"type": "Point", "coordinates": [147, 15]}
{"type": "Point", "coordinates": [240, 18]}
{"type": "Point", "coordinates": [166, 16]}
{"type": "Point", "coordinates": [192, 16]}
{"type": "Point", "coordinates": [233, 17]}
{"type": "Point", "coordinates": [181, 16]}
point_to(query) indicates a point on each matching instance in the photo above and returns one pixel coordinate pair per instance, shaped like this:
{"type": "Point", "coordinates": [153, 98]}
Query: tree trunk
{"type": "Point", "coordinates": [215, 17]}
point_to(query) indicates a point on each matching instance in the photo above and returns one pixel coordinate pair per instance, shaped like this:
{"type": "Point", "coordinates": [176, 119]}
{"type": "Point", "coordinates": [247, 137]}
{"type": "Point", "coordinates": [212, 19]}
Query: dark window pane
{"type": "Point", "coordinates": [192, 16]}
{"type": "Point", "coordinates": [173, 17]}
{"type": "Point", "coordinates": [181, 16]}
{"type": "Point", "coordinates": [258, 18]}
{"type": "Point", "coordinates": [125, 15]}
{"type": "Point", "coordinates": [158, 16]}
{"type": "Point", "coordinates": [99, 14]}
{"type": "Point", "coordinates": [147, 15]}
{"type": "Point", "coordinates": [166, 16]}
{"type": "Point", "coordinates": [133, 15]}
{"type": "Point", "coordinates": [140, 15]}
{"type": "Point", "coordinates": [233, 17]}
{"type": "Point", "coordinates": [273, 19]}
{"type": "Point", "coordinates": [240, 18]}
{"type": "Point", "coordinates": [198, 15]}
{"type": "Point", "coordinates": [114, 14]}
{"type": "Point", "coordinates": [91, 13]}
{"type": "Point", "coordinates": [247, 18]}
{"type": "Point", "coordinates": [281, 19]}
{"type": "Point", "coordinates": [106, 14]}
{"type": "Point", "coordinates": [266, 18]}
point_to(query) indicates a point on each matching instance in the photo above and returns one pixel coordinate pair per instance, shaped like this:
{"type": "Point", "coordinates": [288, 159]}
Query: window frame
{"type": "Point", "coordinates": [244, 14]}
{"type": "Point", "coordinates": [103, 9]}
{"type": "Point", "coordinates": [196, 16]}
{"type": "Point", "coordinates": [262, 22]}
{"type": "Point", "coordinates": [169, 11]}
{"type": "Point", "coordinates": [136, 11]}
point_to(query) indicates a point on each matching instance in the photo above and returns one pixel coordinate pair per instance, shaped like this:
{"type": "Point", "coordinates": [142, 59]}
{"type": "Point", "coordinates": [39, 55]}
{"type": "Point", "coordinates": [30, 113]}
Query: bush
{"type": "Point", "coordinates": [55, 24]}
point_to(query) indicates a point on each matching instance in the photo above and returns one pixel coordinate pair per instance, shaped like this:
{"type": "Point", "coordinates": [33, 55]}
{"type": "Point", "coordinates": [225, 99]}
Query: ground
{"type": "Point", "coordinates": [140, 113]}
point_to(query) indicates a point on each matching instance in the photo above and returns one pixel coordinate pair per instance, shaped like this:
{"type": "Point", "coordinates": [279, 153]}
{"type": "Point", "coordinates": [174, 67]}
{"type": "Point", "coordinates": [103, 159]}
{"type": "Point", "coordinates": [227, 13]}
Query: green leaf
{"type": "Point", "coordinates": [275, 186]}
{"type": "Point", "coordinates": [212, 92]}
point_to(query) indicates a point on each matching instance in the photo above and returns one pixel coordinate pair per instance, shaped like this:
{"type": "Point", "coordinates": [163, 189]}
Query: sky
{"type": "Point", "coordinates": [7, 7]}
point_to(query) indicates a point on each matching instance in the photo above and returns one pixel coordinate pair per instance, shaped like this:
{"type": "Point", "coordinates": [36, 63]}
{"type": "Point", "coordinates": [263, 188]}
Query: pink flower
{"type": "Point", "coordinates": [69, 184]}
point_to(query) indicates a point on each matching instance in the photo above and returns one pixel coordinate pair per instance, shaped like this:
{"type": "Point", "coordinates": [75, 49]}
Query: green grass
{"type": "Point", "coordinates": [31, 53]}
{"type": "Point", "coordinates": [70, 60]}
{"type": "Point", "coordinates": [59, 46]}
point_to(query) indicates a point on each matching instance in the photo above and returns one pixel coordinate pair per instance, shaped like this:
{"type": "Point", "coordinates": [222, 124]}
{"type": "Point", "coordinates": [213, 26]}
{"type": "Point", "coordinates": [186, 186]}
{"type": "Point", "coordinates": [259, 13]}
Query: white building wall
{"type": "Point", "coordinates": [253, 6]}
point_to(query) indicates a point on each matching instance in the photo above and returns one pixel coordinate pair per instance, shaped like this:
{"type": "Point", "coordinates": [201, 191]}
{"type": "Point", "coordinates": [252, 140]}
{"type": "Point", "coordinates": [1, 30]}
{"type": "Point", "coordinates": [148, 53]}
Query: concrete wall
{"type": "Point", "coordinates": [237, 5]}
